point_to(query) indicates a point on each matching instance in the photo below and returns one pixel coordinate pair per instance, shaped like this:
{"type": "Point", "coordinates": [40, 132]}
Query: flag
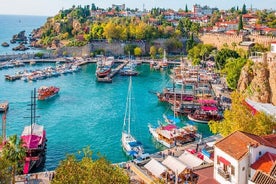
{"type": "Point", "coordinates": [4, 117]}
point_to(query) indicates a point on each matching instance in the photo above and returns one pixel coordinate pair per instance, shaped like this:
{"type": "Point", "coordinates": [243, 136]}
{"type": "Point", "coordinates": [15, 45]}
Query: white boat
{"type": "Point", "coordinates": [131, 146]}
{"type": "Point", "coordinates": [170, 135]}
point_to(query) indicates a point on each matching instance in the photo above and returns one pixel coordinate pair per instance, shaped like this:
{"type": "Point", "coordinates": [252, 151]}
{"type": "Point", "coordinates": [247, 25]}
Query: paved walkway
{"type": "Point", "coordinates": [35, 178]}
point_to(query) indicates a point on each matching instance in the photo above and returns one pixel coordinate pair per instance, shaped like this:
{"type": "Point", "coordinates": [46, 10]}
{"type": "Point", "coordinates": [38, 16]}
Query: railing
{"type": "Point", "coordinates": [224, 174]}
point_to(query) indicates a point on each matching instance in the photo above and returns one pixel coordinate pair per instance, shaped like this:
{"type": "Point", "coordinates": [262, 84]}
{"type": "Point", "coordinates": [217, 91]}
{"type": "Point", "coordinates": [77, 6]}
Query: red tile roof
{"type": "Point", "coordinates": [272, 137]}
{"type": "Point", "coordinates": [206, 176]}
{"type": "Point", "coordinates": [265, 162]}
{"type": "Point", "coordinates": [236, 144]}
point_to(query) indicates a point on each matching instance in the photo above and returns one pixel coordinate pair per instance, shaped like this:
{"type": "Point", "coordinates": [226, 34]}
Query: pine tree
{"type": "Point", "coordinates": [186, 8]}
{"type": "Point", "coordinates": [240, 26]}
{"type": "Point", "coordinates": [244, 11]}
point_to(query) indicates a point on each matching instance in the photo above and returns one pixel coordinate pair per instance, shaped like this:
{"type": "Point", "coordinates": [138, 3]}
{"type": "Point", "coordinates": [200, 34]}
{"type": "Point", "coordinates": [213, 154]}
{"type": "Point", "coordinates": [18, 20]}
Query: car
{"type": "Point", "coordinates": [142, 159]}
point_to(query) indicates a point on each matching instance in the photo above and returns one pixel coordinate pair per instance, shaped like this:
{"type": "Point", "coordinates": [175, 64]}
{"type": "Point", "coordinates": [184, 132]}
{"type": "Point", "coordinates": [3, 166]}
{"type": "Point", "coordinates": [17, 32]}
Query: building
{"type": "Point", "coordinates": [119, 7]}
{"type": "Point", "coordinates": [234, 154]}
{"type": "Point", "coordinates": [200, 11]}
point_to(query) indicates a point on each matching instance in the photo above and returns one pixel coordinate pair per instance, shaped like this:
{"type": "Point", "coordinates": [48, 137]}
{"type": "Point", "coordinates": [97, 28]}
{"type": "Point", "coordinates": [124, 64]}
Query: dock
{"type": "Point", "coordinates": [108, 79]}
{"type": "Point", "coordinates": [4, 106]}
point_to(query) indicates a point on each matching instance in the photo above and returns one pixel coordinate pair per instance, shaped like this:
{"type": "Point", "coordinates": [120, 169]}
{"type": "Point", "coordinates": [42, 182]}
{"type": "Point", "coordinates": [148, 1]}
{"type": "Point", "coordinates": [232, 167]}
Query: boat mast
{"type": "Point", "coordinates": [129, 103]}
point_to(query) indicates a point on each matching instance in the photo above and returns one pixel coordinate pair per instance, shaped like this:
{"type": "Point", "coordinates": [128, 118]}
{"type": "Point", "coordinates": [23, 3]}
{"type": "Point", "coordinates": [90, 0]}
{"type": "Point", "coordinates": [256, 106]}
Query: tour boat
{"type": "Point", "coordinates": [170, 135]}
{"type": "Point", "coordinates": [208, 111]}
{"type": "Point", "coordinates": [34, 141]}
{"type": "Point", "coordinates": [45, 92]}
{"type": "Point", "coordinates": [131, 146]}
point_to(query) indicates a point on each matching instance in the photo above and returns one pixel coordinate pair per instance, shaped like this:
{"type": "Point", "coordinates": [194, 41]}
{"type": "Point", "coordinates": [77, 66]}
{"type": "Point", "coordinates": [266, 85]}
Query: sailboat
{"type": "Point", "coordinates": [34, 140]}
{"type": "Point", "coordinates": [131, 146]}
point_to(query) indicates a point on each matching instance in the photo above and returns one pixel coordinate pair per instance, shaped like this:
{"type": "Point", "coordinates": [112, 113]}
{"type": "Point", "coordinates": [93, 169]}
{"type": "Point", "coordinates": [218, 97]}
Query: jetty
{"type": "Point", "coordinates": [108, 78]}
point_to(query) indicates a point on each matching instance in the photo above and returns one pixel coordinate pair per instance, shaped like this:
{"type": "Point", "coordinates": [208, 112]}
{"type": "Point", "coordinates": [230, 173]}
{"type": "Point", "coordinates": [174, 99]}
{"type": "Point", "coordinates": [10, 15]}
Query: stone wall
{"type": "Point", "coordinates": [218, 40]}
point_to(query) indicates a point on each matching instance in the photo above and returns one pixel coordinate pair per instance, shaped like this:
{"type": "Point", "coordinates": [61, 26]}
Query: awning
{"type": "Point", "coordinates": [155, 167]}
{"type": "Point", "coordinates": [223, 160]}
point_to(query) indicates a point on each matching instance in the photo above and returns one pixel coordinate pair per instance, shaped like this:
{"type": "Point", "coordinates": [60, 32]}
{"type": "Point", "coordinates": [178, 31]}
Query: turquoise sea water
{"type": "Point", "coordinates": [13, 24]}
{"type": "Point", "coordinates": [87, 112]}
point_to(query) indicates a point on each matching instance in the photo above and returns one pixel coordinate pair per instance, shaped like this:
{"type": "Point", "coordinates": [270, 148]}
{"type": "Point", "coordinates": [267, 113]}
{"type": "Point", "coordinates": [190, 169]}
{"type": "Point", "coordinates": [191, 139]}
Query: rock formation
{"type": "Point", "coordinates": [20, 37]}
{"type": "Point", "coordinates": [5, 44]}
{"type": "Point", "coordinates": [259, 81]}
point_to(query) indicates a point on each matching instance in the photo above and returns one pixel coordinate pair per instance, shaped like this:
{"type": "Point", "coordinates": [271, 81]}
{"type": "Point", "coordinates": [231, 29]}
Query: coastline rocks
{"type": "Point", "coordinates": [5, 44]}
{"type": "Point", "coordinates": [20, 47]}
{"type": "Point", "coordinates": [20, 37]}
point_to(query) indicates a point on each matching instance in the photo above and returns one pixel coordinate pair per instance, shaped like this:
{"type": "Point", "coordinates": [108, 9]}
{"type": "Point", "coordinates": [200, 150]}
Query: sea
{"type": "Point", "coordinates": [85, 113]}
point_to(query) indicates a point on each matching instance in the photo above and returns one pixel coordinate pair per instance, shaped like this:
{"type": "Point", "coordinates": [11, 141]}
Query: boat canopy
{"type": "Point", "coordinates": [31, 141]}
{"type": "Point", "coordinates": [35, 129]}
{"type": "Point", "coordinates": [132, 153]}
{"type": "Point", "coordinates": [169, 127]}
{"type": "Point", "coordinates": [135, 143]}
{"type": "Point", "coordinates": [209, 108]}
{"type": "Point", "coordinates": [205, 101]}
{"type": "Point", "coordinates": [173, 119]}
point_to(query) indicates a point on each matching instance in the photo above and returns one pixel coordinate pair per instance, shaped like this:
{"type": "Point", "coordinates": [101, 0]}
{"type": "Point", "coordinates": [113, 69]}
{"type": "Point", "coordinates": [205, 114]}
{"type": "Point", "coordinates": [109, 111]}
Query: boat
{"type": "Point", "coordinates": [131, 146]}
{"type": "Point", "coordinates": [171, 135]}
{"type": "Point", "coordinates": [4, 106]}
{"type": "Point", "coordinates": [34, 140]}
{"type": "Point", "coordinates": [129, 70]}
{"type": "Point", "coordinates": [45, 92]}
{"type": "Point", "coordinates": [104, 67]}
{"type": "Point", "coordinates": [208, 111]}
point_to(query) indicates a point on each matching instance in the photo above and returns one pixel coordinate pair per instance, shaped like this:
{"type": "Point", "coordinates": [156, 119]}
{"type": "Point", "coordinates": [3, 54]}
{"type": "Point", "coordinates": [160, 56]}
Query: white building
{"type": "Point", "coordinates": [234, 154]}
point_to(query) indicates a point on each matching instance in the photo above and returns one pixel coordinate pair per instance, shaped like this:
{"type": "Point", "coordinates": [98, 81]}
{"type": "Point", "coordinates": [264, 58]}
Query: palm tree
{"type": "Point", "coordinates": [15, 153]}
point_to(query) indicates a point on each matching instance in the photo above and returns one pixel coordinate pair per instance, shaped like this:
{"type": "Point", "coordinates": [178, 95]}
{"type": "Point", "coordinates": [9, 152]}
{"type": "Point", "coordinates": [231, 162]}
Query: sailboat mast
{"type": "Point", "coordinates": [129, 103]}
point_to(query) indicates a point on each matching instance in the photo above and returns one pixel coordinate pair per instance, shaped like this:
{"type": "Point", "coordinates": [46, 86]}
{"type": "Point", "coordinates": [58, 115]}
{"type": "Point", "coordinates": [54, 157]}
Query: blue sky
{"type": "Point", "coordinates": [51, 7]}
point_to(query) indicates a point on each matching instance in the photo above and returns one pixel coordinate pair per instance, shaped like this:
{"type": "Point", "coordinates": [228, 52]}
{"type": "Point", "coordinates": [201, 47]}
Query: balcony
{"type": "Point", "coordinates": [224, 174]}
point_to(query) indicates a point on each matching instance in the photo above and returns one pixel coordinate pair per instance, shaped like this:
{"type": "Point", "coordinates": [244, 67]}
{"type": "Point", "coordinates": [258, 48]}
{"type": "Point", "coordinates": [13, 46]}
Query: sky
{"type": "Point", "coordinates": [51, 7]}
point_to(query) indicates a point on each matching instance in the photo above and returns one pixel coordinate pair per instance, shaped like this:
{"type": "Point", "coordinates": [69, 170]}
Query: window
{"type": "Point", "coordinates": [260, 153]}
{"type": "Point", "coordinates": [243, 168]}
{"type": "Point", "coordinates": [232, 170]}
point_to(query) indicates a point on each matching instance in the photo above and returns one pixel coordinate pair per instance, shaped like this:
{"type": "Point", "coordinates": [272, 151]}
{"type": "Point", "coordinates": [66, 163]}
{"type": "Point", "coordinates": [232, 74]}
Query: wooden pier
{"type": "Point", "coordinates": [108, 79]}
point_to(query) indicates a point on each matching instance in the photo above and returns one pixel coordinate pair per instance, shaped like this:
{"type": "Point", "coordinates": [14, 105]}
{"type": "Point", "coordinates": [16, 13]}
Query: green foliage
{"type": "Point", "coordinates": [153, 52]}
{"type": "Point", "coordinates": [5, 170]}
{"type": "Point", "coordinates": [129, 49]}
{"type": "Point", "coordinates": [87, 170]}
{"type": "Point", "coordinates": [233, 69]}
{"type": "Point", "coordinates": [14, 153]}
{"type": "Point", "coordinates": [186, 8]}
{"type": "Point", "coordinates": [244, 11]}
{"type": "Point", "coordinates": [222, 55]}
{"type": "Point", "coordinates": [39, 54]}
{"type": "Point", "coordinates": [258, 48]}
{"type": "Point", "coordinates": [240, 26]}
{"type": "Point", "coordinates": [76, 43]}
{"type": "Point", "coordinates": [240, 117]}
{"type": "Point", "coordinates": [137, 51]}
{"type": "Point", "coordinates": [200, 52]}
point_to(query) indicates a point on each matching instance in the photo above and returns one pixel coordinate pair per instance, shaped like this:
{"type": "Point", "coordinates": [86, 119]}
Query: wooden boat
{"type": "Point", "coordinates": [170, 135]}
{"type": "Point", "coordinates": [45, 92]}
{"type": "Point", "coordinates": [4, 106]}
{"type": "Point", "coordinates": [131, 146]}
{"type": "Point", "coordinates": [208, 111]}
{"type": "Point", "coordinates": [34, 140]}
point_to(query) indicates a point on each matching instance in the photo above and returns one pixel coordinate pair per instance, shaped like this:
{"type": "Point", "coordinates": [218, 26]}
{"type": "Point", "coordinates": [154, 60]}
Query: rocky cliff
{"type": "Point", "coordinates": [258, 80]}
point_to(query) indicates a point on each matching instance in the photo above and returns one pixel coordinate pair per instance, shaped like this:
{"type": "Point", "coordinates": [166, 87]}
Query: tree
{"type": "Point", "coordinates": [137, 51]}
{"type": "Point", "coordinates": [233, 69]}
{"type": "Point", "coordinates": [15, 153]}
{"type": "Point", "coordinates": [240, 26]}
{"type": "Point", "coordinates": [87, 170]}
{"type": "Point", "coordinates": [153, 52]}
{"type": "Point", "coordinates": [5, 171]}
{"type": "Point", "coordinates": [244, 11]}
{"type": "Point", "coordinates": [223, 55]}
{"type": "Point", "coordinates": [240, 117]}
{"type": "Point", "coordinates": [186, 8]}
